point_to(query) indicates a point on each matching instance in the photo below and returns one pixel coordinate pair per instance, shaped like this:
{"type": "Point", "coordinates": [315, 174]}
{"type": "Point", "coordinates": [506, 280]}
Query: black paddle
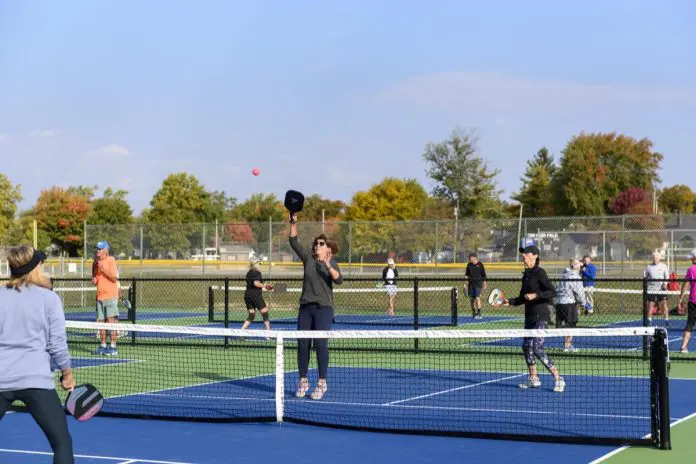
{"type": "Point", "coordinates": [294, 202]}
{"type": "Point", "coordinates": [84, 401]}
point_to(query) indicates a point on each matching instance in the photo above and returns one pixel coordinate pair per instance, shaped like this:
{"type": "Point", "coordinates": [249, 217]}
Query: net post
{"type": "Point", "coordinates": [455, 309]}
{"type": "Point", "coordinates": [132, 292]}
{"type": "Point", "coordinates": [659, 391]}
{"type": "Point", "coordinates": [211, 304]}
{"type": "Point", "coordinates": [415, 311]}
{"type": "Point", "coordinates": [280, 380]}
{"type": "Point", "coordinates": [227, 308]}
{"type": "Point", "coordinates": [646, 320]}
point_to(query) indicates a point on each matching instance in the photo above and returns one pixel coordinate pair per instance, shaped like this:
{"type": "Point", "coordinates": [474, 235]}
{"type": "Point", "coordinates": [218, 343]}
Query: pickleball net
{"type": "Point", "coordinates": [453, 382]}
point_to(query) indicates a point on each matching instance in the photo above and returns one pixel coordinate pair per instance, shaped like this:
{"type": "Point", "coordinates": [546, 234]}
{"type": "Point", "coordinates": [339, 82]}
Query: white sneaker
{"type": "Point", "coordinates": [531, 383]}
{"type": "Point", "coordinates": [560, 385]}
{"type": "Point", "coordinates": [319, 391]}
{"type": "Point", "coordinates": [684, 350]}
{"type": "Point", "coordinates": [302, 388]}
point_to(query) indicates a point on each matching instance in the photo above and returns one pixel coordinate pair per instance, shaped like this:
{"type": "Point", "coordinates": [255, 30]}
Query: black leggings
{"type": "Point", "coordinates": [313, 317]}
{"type": "Point", "coordinates": [47, 411]}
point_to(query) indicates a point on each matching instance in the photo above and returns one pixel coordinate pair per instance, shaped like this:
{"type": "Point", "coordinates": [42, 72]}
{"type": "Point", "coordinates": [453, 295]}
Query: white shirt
{"type": "Point", "coordinates": [656, 271]}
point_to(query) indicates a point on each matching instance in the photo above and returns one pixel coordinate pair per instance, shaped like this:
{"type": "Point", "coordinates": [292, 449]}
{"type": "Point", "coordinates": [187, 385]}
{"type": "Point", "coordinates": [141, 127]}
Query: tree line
{"type": "Point", "coordinates": [596, 174]}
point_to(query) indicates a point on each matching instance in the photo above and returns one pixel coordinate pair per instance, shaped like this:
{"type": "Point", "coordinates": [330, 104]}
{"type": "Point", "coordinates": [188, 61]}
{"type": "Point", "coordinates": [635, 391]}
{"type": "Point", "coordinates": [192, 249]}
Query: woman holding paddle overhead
{"type": "Point", "coordinates": [32, 324]}
{"type": "Point", "coordinates": [321, 272]}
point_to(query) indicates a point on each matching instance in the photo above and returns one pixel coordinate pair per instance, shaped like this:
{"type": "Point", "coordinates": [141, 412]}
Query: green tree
{"type": "Point", "coordinates": [182, 203]}
{"type": "Point", "coordinates": [61, 213]}
{"type": "Point", "coordinates": [10, 195]}
{"type": "Point", "coordinates": [677, 199]}
{"type": "Point", "coordinates": [595, 168]}
{"type": "Point", "coordinates": [536, 194]}
{"type": "Point", "coordinates": [315, 204]}
{"type": "Point", "coordinates": [111, 219]}
{"type": "Point", "coordinates": [462, 176]}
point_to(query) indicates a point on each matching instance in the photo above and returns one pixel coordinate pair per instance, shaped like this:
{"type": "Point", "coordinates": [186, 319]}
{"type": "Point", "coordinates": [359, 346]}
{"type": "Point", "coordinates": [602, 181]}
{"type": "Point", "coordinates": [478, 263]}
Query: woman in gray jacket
{"type": "Point", "coordinates": [32, 333]}
{"type": "Point", "coordinates": [321, 272]}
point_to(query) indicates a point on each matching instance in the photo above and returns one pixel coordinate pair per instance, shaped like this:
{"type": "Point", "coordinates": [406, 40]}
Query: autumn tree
{"type": "Point", "coordinates": [314, 205]}
{"type": "Point", "coordinates": [61, 213]}
{"type": "Point", "coordinates": [390, 200]}
{"type": "Point", "coordinates": [536, 193]}
{"type": "Point", "coordinates": [462, 176]}
{"type": "Point", "coordinates": [595, 168]}
{"type": "Point", "coordinates": [677, 199]}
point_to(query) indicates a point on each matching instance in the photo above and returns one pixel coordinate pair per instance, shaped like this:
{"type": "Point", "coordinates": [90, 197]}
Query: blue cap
{"type": "Point", "coordinates": [102, 245]}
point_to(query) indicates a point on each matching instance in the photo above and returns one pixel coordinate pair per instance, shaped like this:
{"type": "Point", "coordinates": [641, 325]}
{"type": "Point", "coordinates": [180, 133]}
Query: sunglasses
{"type": "Point", "coordinates": [320, 243]}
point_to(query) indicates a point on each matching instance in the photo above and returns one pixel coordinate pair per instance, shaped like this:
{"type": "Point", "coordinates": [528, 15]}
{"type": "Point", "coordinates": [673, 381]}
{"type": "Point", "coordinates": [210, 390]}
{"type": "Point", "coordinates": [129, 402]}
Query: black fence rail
{"type": "Point", "coordinates": [363, 304]}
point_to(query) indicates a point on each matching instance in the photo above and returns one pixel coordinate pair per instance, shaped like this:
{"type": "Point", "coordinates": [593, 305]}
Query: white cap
{"type": "Point", "coordinates": [390, 261]}
{"type": "Point", "coordinates": [692, 254]}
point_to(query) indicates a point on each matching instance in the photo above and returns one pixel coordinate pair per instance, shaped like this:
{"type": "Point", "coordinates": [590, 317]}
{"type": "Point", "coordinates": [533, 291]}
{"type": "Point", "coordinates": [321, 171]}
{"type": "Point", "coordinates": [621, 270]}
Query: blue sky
{"type": "Point", "coordinates": [329, 97]}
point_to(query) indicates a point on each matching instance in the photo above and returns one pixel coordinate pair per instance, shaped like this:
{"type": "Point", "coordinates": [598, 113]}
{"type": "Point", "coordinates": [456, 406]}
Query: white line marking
{"type": "Point", "coordinates": [87, 456]}
{"type": "Point", "coordinates": [618, 450]}
{"type": "Point", "coordinates": [130, 461]}
{"type": "Point", "coordinates": [453, 389]}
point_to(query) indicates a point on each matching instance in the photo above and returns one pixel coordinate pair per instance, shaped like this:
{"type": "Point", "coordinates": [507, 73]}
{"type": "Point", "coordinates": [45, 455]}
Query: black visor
{"type": "Point", "coordinates": [37, 258]}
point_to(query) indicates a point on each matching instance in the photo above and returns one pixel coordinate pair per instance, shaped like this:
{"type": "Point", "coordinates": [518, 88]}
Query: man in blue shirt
{"type": "Point", "coordinates": [588, 273]}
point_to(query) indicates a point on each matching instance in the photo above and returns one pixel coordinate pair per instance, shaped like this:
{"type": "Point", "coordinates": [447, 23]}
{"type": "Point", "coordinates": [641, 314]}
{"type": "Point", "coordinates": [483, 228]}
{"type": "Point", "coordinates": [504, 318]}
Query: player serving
{"type": "Point", "coordinates": [253, 299]}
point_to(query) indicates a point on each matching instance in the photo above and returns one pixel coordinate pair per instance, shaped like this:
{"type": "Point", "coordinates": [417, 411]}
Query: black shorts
{"type": "Point", "coordinates": [254, 300]}
{"type": "Point", "coordinates": [566, 315]}
{"type": "Point", "coordinates": [656, 298]}
{"type": "Point", "coordinates": [690, 317]}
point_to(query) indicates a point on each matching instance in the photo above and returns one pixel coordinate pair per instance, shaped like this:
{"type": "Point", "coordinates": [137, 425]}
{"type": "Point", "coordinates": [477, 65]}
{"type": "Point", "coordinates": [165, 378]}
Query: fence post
{"type": "Point", "coordinates": [623, 243]}
{"type": "Point", "coordinates": [270, 245]}
{"type": "Point", "coordinates": [646, 318]}
{"type": "Point", "coordinates": [437, 231]}
{"type": "Point", "coordinates": [132, 295]}
{"type": "Point", "coordinates": [604, 253]}
{"type": "Point", "coordinates": [227, 307]}
{"type": "Point", "coordinates": [415, 311]}
{"type": "Point", "coordinates": [350, 248]}
{"type": "Point", "coordinates": [203, 249]}
{"type": "Point", "coordinates": [142, 251]}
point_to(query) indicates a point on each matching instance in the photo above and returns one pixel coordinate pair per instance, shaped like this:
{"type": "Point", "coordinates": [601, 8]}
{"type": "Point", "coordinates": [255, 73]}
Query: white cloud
{"type": "Point", "coordinates": [44, 133]}
{"type": "Point", "coordinates": [4, 137]}
{"type": "Point", "coordinates": [111, 152]}
{"type": "Point", "coordinates": [500, 92]}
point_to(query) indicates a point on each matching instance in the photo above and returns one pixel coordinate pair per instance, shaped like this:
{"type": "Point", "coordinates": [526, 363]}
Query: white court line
{"type": "Point", "coordinates": [618, 450]}
{"type": "Point", "coordinates": [87, 456]}
{"type": "Point", "coordinates": [130, 461]}
{"type": "Point", "coordinates": [453, 389]}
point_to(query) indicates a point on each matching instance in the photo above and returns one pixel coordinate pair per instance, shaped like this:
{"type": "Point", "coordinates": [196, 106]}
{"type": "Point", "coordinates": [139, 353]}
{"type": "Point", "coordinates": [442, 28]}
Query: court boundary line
{"type": "Point", "coordinates": [608, 455]}
{"type": "Point", "coordinates": [87, 456]}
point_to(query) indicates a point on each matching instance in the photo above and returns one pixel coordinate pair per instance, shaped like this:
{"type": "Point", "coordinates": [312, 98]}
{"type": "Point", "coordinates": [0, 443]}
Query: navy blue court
{"type": "Point", "coordinates": [130, 441]}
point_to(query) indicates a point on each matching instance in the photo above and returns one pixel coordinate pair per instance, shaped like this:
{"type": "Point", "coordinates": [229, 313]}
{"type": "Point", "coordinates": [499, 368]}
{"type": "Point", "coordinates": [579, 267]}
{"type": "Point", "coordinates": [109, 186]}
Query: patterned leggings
{"type": "Point", "coordinates": [533, 347]}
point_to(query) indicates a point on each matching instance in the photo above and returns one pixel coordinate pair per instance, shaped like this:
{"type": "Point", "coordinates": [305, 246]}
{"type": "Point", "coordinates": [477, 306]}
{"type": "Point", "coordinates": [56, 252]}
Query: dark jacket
{"type": "Point", "coordinates": [317, 284]}
{"type": "Point", "coordinates": [389, 281]}
{"type": "Point", "coordinates": [535, 280]}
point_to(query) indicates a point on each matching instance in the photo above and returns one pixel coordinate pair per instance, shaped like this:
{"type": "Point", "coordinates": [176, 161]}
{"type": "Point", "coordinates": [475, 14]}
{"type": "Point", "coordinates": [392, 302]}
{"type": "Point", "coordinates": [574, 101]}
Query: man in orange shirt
{"type": "Point", "coordinates": [105, 277]}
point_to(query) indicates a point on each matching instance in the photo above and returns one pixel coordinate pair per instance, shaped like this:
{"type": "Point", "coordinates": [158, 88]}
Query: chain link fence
{"type": "Point", "coordinates": [620, 246]}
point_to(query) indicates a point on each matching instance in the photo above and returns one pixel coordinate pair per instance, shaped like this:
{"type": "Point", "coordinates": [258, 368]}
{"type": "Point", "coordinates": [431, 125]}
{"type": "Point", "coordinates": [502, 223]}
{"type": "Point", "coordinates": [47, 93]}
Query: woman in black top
{"type": "Point", "coordinates": [316, 305]}
{"type": "Point", "coordinates": [252, 295]}
{"type": "Point", "coordinates": [389, 276]}
{"type": "Point", "coordinates": [537, 293]}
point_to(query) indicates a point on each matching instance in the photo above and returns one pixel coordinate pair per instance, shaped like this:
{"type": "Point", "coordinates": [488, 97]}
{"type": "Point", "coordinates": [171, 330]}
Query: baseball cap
{"type": "Point", "coordinates": [390, 261]}
{"type": "Point", "coordinates": [692, 254]}
{"type": "Point", "coordinates": [530, 249]}
{"type": "Point", "coordinates": [254, 261]}
{"type": "Point", "coordinates": [102, 245]}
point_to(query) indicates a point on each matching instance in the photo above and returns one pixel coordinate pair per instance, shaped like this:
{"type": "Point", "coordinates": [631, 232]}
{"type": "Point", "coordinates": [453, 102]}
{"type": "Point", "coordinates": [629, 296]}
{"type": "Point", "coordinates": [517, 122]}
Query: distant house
{"type": "Point", "coordinates": [577, 245]}
{"type": "Point", "coordinates": [235, 252]}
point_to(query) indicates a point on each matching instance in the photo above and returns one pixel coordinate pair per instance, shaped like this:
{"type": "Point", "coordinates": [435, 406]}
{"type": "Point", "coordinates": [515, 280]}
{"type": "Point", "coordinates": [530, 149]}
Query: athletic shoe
{"type": "Point", "coordinates": [531, 383]}
{"type": "Point", "coordinates": [101, 350]}
{"type": "Point", "coordinates": [560, 385]}
{"type": "Point", "coordinates": [302, 388]}
{"type": "Point", "coordinates": [319, 391]}
{"type": "Point", "coordinates": [570, 349]}
{"type": "Point", "coordinates": [111, 351]}
{"type": "Point", "coordinates": [684, 350]}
